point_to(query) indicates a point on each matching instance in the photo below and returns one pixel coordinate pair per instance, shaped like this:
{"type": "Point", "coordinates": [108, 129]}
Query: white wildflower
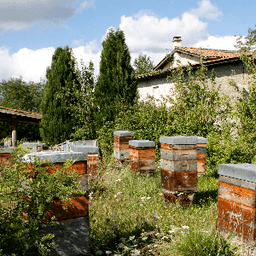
{"type": "Point", "coordinates": [155, 217]}
{"type": "Point", "coordinates": [135, 252]}
{"type": "Point", "coordinates": [143, 198]}
{"type": "Point", "coordinates": [121, 245]}
{"type": "Point", "coordinates": [148, 197]}
{"type": "Point", "coordinates": [108, 252]}
{"type": "Point", "coordinates": [131, 238]}
{"type": "Point", "coordinates": [185, 227]}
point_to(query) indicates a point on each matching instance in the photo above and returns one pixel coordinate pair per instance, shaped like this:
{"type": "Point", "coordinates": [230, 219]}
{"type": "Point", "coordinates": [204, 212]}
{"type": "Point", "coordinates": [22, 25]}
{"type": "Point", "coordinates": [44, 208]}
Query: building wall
{"type": "Point", "coordinates": [232, 72]}
{"type": "Point", "coordinates": [158, 88]}
{"type": "Point", "coordinates": [183, 59]}
{"type": "Point", "coordinates": [226, 73]}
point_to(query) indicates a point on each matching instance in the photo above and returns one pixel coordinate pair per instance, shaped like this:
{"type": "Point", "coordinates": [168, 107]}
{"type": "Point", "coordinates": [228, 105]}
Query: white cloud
{"type": "Point", "coordinates": [85, 5]}
{"type": "Point", "coordinates": [218, 42]}
{"type": "Point", "coordinates": [89, 52]}
{"type": "Point", "coordinates": [20, 14]}
{"type": "Point", "coordinates": [77, 42]}
{"type": "Point", "coordinates": [32, 64]}
{"type": "Point", "coordinates": [145, 33]}
{"type": "Point", "coordinates": [148, 34]}
{"type": "Point", "coordinates": [156, 35]}
{"type": "Point", "coordinates": [207, 10]}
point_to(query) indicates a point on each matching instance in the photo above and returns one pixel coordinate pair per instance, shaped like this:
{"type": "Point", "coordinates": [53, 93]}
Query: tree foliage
{"type": "Point", "coordinates": [143, 64]}
{"type": "Point", "coordinates": [17, 94]}
{"type": "Point", "coordinates": [25, 202]}
{"type": "Point", "coordinates": [198, 108]}
{"type": "Point", "coordinates": [248, 43]}
{"type": "Point", "coordinates": [85, 108]}
{"type": "Point", "coordinates": [116, 83]}
{"type": "Point", "coordinates": [60, 96]}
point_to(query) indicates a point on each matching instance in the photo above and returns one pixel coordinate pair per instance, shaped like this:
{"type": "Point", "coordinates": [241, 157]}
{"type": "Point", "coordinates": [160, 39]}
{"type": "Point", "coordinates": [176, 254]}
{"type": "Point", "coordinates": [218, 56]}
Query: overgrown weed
{"type": "Point", "coordinates": [129, 215]}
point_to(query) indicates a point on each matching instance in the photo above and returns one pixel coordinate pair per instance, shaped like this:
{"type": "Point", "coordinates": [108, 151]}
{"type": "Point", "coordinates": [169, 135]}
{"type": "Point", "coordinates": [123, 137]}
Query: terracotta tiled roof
{"type": "Point", "coordinates": [17, 112]}
{"type": "Point", "coordinates": [209, 53]}
{"type": "Point", "coordinates": [206, 62]}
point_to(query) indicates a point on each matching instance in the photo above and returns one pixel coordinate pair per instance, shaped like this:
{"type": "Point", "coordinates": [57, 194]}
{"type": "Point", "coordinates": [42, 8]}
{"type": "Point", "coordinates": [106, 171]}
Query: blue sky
{"type": "Point", "coordinates": [31, 30]}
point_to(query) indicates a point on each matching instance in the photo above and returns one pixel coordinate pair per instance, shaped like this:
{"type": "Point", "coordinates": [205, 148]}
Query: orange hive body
{"type": "Point", "coordinates": [237, 200]}
{"type": "Point", "coordinates": [5, 158]}
{"type": "Point", "coordinates": [92, 153]}
{"type": "Point", "coordinates": [142, 156]}
{"type": "Point", "coordinates": [179, 168]}
{"type": "Point", "coordinates": [201, 155]}
{"type": "Point", "coordinates": [73, 238]}
{"type": "Point", "coordinates": [121, 145]}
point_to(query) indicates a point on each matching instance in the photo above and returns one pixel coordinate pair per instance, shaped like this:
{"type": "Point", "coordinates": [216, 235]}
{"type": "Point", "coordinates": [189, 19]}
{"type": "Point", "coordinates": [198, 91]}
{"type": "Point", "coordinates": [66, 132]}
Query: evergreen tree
{"type": "Point", "coordinates": [143, 64]}
{"type": "Point", "coordinates": [60, 96]}
{"type": "Point", "coordinates": [116, 83]}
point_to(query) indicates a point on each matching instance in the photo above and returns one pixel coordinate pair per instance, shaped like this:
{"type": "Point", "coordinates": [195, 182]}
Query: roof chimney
{"type": "Point", "coordinates": [176, 41]}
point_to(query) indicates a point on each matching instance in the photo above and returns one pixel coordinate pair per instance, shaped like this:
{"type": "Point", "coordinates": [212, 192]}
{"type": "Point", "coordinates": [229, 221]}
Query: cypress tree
{"type": "Point", "coordinates": [62, 86]}
{"type": "Point", "coordinates": [116, 83]}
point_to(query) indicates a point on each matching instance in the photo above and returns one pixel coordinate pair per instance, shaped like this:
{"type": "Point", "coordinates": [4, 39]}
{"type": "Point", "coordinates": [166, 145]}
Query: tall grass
{"type": "Point", "coordinates": [129, 215]}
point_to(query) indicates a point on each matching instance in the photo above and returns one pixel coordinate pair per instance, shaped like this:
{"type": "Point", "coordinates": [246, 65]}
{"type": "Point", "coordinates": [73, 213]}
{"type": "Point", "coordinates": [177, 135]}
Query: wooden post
{"type": "Point", "coordinates": [14, 134]}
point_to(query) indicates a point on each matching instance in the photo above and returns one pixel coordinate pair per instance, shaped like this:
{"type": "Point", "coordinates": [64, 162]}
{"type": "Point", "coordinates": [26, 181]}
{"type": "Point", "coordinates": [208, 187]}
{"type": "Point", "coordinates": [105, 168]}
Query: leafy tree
{"type": "Point", "coordinates": [17, 94]}
{"type": "Point", "coordinates": [116, 83]}
{"type": "Point", "coordinates": [249, 43]}
{"type": "Point", "coordinates": [198, 108]}
{"type": "Point", "coordinates": [59, 98]}
{"type": "Point", "coordinates": [85, 109]}
{"type": "Point", "coordinates": [143, 64]}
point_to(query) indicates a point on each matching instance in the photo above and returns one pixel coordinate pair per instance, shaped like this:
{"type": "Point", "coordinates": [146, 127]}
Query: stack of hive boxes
{"type": "Point", "coordinates": [236, 200]}
{"type": "Point", "coordinates": [73, 237]}
{"type": "Point", "coordinates": [121, 145]}
{"type": "Point", "coordinates": [179, 168]}
{"type": "Point", "coordinates": [142, 156]}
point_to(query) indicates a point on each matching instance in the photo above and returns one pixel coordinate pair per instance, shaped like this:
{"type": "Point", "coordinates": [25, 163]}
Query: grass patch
{"type": "Point", "coordinates": [129, 216]}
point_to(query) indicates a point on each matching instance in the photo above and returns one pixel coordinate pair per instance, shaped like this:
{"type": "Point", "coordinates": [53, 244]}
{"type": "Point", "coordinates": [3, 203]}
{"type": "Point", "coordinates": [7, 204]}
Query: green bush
{"type": "Point", "coordinates": [146, 120]}
{"type": "Point", "coordinates": [198, 108]}
{"type": "Point", "coordinates": [25, 201]}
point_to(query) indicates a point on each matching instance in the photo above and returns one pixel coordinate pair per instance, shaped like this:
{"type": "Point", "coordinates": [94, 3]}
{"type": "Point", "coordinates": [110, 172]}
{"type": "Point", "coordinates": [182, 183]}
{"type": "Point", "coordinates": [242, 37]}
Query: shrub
{"type": "Point", "coordinates": [25, 202]}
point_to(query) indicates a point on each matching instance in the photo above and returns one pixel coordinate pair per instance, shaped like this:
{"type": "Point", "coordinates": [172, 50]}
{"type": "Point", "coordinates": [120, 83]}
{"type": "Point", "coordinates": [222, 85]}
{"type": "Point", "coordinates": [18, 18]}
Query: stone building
{"type": "Point", "coordinates": [227, 65]}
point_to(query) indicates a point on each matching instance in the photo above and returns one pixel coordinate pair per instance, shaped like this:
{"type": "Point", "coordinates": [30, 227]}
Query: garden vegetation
{"type": "Point", "coordinates": [128, 213]}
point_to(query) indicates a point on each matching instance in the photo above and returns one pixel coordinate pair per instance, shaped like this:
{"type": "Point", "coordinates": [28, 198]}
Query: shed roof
{"type": "Point", "coordinates": [8, 114]}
